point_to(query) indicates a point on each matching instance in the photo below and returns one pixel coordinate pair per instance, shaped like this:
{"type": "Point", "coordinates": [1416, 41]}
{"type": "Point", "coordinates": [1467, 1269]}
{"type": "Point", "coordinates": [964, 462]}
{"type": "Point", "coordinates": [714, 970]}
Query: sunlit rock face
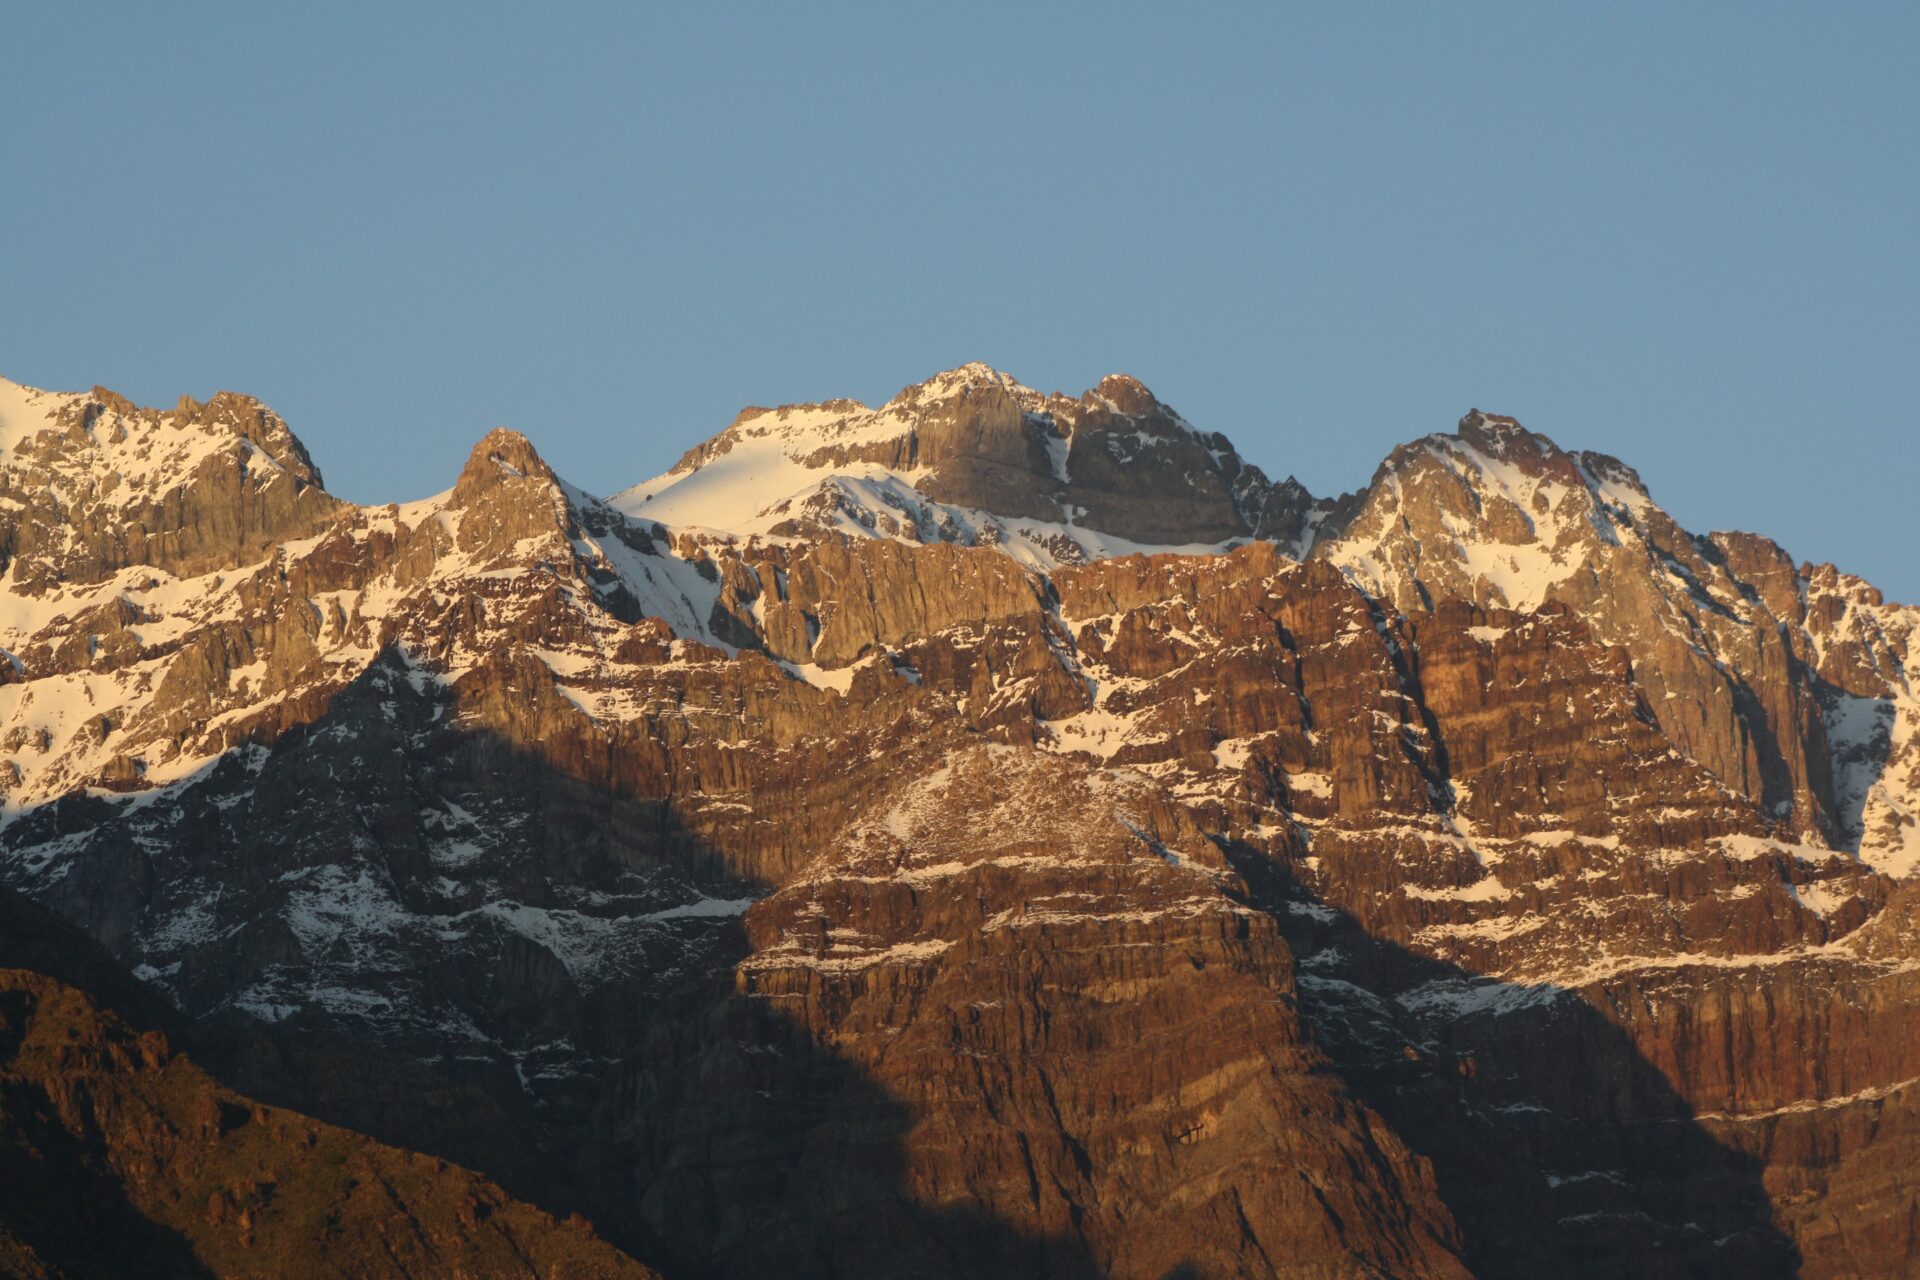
{"type": "Point", "coordinates": [998, 833]}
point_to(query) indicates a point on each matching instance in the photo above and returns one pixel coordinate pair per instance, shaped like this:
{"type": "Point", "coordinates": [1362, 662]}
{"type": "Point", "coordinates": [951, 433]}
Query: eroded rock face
{"type": "Point", "coordinates": [1519, 885]}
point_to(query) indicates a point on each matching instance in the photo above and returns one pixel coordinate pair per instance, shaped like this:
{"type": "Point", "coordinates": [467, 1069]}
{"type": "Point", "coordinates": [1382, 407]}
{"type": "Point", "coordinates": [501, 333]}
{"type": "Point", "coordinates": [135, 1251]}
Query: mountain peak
{"type": "Point", "coordinates": [1126, 394]}
{"type": "Point", "coordinates": [971, 455]}
{"type": "Point", "coordinates": [504, 452]}
{"type": "Point", "coordinates": [960, 380]}
{"type": "Point", "coordinates": [96, 483]}
{"type": "Point", "coordinates": [1500, 436]}
{"type": "Point", "coordinates": [1494, 513]}
{"type": "Point", "coordinates": [22, 409]}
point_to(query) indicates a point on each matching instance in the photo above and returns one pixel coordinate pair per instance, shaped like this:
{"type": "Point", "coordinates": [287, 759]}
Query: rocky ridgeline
{"type": "Point", "coordinates": [973, 457]}
{"type": "Point", "coordinates": [831, 856]}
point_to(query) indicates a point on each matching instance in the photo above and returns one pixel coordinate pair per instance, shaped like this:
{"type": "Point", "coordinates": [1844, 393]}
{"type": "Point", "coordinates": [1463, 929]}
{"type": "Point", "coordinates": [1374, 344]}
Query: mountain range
{"type": "Point", "coordinates": [996, 833]}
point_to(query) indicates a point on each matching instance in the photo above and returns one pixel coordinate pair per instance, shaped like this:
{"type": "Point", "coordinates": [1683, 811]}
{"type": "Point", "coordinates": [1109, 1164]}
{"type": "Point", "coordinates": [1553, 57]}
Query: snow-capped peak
{"type": "Point", "coordinates": [1493, 513]}
{"type": "Point", "coordinates": [22, 409]}
{"type": "Point", "coordinates": [959, 380]}
{"type": "Point", "coordinates": [1498, 435]}
{"type": "Point", "coordinates": [968, 455]}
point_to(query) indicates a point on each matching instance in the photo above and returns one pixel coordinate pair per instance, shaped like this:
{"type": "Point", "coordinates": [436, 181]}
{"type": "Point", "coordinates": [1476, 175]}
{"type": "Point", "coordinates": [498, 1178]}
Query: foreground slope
{"type": "Point", "coordinates": [875, 875]}
{"type": "Point", "coordinates": [120, 1153]}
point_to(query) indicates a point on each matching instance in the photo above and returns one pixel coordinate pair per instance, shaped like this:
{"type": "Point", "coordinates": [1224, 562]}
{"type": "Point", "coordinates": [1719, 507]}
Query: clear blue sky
{"type": "Point", "coordinates": [1684, 234]}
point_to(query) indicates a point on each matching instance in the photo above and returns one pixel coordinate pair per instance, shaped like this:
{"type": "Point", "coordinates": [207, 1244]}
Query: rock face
{"type": "Point", "coordinates": [838, 857]}
{"type": "Point", "coordinates": [1042, 1041]}
{"type": "Point", "coordinates": [1497, 515]}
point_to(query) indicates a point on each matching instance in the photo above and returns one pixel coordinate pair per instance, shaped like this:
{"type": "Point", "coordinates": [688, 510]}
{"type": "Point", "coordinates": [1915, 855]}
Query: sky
{"type": "Point", "coordinates": [1686, 235]}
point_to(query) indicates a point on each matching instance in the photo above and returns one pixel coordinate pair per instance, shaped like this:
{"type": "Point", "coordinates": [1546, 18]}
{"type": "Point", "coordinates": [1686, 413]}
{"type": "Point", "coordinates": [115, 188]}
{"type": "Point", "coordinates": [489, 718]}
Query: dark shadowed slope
{"type": "Point", "coordinates": [119, 1156]}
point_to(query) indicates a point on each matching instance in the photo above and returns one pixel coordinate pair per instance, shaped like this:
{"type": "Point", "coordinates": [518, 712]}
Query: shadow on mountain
{"type": "Point", "coordinates": [725, 1142]}
{"type": "Point", "coordinates": [743, 1139]}
{"type": "Point", "coordinates": [1558, 1147]}
{"type": "Point", "coordinates": [720, 1139]}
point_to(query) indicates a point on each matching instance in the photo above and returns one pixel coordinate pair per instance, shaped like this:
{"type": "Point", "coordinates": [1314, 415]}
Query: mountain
{"type": "Point", "coordinates": [999, 833]}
